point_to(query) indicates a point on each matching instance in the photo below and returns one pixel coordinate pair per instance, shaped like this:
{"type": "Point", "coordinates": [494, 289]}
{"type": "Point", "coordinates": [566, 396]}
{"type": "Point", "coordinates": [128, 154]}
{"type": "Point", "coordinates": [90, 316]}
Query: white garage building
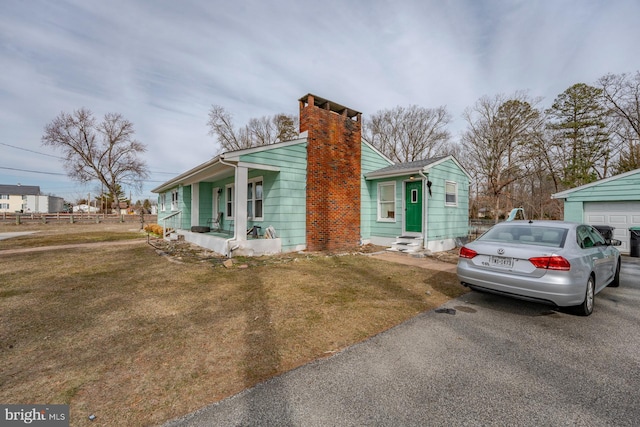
{"type": "Point", "coordinates": [613, 201]}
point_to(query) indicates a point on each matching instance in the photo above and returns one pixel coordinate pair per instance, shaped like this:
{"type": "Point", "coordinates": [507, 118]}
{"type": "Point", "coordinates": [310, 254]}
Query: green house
{"type": "Point", "coordinates": [613, 201]}
{"type": "Point", "coordinates": [327, 190]}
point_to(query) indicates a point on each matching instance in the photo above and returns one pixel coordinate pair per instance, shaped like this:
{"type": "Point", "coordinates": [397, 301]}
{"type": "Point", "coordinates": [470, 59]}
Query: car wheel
{"type": "Point", "coordinates": [616, 277]}
{"type": "Point", "coordinates": [586, 308]}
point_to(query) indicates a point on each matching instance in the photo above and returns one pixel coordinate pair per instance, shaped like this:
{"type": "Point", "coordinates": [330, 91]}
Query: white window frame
{"type": "Point", "coordinates": [454, 193]}
{"type": "Point", "coordinates": [215, 201]}
{"type": "Point", "coordinates": [4, 205]}
{"type": "Point", "coordinates": [229, 208]}
{"type": "Point", "coordinates": [163, 202]}
{"type": "Point", "coordinates": [251, 198]}
{"type": "Point", "coordinates": [380, 203]}
{"type": "Point", "coordinates": [174, 199]}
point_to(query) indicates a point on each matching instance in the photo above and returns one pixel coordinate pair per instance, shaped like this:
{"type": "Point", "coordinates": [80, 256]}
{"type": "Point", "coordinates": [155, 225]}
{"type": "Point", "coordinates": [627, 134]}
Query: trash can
{"type": "Point", "coordinates": [605, 230]}
{"type": "Point", "coordinates": [634, 242]}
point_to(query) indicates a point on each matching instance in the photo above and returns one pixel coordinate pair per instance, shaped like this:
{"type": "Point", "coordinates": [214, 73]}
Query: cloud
{"type": "Point", "coordinates": [162, 64]}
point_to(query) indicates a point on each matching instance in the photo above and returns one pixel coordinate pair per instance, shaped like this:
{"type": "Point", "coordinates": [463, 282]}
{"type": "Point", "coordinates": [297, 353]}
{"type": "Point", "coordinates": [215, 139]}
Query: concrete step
{"type": "Point", "coordinates": [409, 244]}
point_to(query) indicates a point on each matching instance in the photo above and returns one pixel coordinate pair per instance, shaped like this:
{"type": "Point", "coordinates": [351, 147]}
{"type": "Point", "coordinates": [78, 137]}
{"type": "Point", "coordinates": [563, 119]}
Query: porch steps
{"type": "Point", "coordinates": [407, 244]}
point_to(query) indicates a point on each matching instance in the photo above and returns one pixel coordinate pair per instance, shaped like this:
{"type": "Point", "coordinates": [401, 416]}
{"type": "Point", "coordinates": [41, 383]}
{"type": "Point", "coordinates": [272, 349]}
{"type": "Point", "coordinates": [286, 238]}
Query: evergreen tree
{"type": "Point", "coordinates": [578, 121]}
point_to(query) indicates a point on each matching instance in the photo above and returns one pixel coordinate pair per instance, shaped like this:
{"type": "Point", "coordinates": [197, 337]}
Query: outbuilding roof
{"type": "Point", "coordinates": [565, 194]}
{"type": "Point", "coordinates": [20, 190]}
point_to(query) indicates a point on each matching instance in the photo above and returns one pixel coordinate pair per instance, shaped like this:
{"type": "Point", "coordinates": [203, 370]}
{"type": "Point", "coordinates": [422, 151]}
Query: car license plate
{"type": "Point", "coordinates": [500, 261]}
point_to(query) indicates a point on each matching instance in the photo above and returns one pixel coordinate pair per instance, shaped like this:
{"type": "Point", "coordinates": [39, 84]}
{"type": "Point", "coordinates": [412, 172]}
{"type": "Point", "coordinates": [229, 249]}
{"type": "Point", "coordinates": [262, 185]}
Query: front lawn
{"type": "Point", "coordinates": [125, 334]}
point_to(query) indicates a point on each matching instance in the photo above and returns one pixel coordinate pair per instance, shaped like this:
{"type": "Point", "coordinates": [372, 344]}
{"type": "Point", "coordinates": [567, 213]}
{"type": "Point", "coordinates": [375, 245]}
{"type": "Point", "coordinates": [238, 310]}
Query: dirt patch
{"type": "Point", "coordinates": [450, 256]}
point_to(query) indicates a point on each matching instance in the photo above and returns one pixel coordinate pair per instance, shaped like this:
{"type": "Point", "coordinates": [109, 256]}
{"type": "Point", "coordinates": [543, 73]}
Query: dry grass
{"type": "Point", "coordinates": [124, 334]}
{"type": "Point", "coordinates": [60, 234]}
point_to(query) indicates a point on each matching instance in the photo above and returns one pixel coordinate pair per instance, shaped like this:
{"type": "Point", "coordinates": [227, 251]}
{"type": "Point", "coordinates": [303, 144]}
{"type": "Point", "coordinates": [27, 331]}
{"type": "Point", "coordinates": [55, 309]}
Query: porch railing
{"type": "Point", "coordinates": [171, 223]}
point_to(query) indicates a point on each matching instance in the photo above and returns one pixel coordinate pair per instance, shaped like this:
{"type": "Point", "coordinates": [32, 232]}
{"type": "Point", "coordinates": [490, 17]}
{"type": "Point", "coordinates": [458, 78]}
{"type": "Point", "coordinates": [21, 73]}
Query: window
{"type": "Point", "coordinates": [229, 201]}
{"type": "Point", "coordinates": [414, 196]}
{"type": "Point", "coordinates": [450, 193]}
{"type": "Point", "coordinates": [254, 199]}
{"type": "Point", "coordinates": [4, 205]}
{"type": "Point", "coordinates": [4, 197]}
{"type": "Point", "coordinates": [588, 237]}
{"type": "Point", "coordinates": [387, 201]}
{"type": "Point", "coordinates": [174, 200]}
{"type": "Point", "coordinates": [526, 235]}
{"type": "Point", "coordinates": [163, 202]}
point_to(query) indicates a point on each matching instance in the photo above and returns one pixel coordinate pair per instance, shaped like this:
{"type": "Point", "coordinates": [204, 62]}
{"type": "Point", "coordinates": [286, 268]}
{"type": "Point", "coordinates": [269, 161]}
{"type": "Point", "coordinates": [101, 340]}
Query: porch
{"type": "Point", "coordinates": [230, 245]}
{"type": "Point", "coordinates": [224, 239]}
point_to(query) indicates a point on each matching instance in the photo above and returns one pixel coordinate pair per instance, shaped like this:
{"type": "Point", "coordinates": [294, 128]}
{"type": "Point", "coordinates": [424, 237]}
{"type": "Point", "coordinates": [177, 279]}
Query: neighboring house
{"type": "Point", "coordinates": [613, 201]}
{"type": "Point", "coordinates": [27, 199]}
{"type": "Point", "coordinates": [328, 190]}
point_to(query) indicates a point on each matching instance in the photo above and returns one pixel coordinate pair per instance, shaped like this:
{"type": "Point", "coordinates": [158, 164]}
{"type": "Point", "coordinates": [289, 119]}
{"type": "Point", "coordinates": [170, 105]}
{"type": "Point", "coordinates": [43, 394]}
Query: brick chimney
{"type": "Point", "coordinates": [333, 173]}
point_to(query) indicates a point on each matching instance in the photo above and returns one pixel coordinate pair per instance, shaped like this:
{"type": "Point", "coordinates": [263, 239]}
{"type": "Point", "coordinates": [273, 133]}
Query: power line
{"type": "Point", "coordinates": [62, 158]}
{"type": "Point", "coordinates": [64, 174]}
{"type": "Point", "coordinates": [25, 170]}
{"type": "Point", "coordinates": [31, 151]}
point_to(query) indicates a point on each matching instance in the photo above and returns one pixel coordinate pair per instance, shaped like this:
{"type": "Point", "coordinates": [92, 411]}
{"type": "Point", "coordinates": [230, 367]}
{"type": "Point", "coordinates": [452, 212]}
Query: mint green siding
{"type": "Point", "coordinates": [370, 161]}
{"type": "Point", "coordinates": [284, 201]}
{"type": "Point", "coordinates": [184, 204]}
{"type": "Point", "coordinates": [442, 221]}
{"type": "Point", "coordinates": [283, 172]}
{"type": "Point", "coordinates": [626, 187]}
{"type": "Point", "coordinates": [388, 228]}
{"type": "Point", "coordinates": [445, 222]}
{"type": "Point", "coordinates": [621, 189]}
{"type": "Point", "coordinates": [206, 203]}
{"type": "Point", "coordinates": [573, 211]}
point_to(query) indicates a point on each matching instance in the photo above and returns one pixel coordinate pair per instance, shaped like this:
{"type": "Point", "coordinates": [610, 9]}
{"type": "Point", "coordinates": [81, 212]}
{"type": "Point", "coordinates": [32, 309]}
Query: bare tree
{"type": "Point", "coordinates": [221, 126]}
{"type": "Point", "coordinates": [408, 134]}
{"type": "Point", "coordinates": [257, 132]}
{"type": "Point", "coordinates": [498, 139]}
{"type": "Point", "coordinates": [105, 151]}
{"type": "Point", "coordinates": [622, 95]}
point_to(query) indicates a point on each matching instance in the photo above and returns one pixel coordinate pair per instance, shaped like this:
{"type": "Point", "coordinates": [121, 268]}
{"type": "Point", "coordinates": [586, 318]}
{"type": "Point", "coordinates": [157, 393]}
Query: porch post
{"type": "Point", "coordinates": [242, 180]}
{"type": "Point", "coordinates": [195, 204]}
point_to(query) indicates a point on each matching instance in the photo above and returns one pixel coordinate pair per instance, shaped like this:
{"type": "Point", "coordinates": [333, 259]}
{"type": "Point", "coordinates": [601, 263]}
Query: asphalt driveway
{"type": "Point", "coordinates": [496, 361]}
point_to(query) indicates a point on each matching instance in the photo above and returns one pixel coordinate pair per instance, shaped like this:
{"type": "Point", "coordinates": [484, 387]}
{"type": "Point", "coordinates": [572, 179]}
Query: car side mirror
{"type": "Point", "coordinates": [614, 242]}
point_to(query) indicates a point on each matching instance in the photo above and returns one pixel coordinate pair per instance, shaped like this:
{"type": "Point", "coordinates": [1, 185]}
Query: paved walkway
{"type": "Point", "coordinates": [426, 262]}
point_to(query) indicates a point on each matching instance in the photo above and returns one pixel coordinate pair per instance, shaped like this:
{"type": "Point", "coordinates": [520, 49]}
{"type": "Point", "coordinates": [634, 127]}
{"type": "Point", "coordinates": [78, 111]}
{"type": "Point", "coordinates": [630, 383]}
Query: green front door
{"type": "Point", "coordinates": [413, 206]}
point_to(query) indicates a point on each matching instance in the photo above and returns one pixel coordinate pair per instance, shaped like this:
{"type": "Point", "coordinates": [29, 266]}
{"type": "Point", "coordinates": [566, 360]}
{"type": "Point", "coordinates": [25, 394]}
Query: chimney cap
{"type": "Point", "coordinates": [330, 105]}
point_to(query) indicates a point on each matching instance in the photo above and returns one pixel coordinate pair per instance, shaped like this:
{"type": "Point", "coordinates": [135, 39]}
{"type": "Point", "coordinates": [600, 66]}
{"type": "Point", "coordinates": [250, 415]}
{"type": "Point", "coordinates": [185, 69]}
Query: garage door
{"type": "Point", "coordinates": [620, 215]}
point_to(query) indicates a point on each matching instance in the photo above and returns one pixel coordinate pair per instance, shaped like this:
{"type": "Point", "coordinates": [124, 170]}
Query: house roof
{"type": "Point", "coordinates": [217, 167]}
{"type": "Point", "coordinates": [412, 167]}
{"type": "Point", "coordinates": [20, 190]}
{"type": "Point", "coordinates": [566, 193]}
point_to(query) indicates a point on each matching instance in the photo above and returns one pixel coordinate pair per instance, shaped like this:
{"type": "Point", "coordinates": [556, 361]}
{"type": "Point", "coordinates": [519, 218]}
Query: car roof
{"type": "Point", "coordinates": [540, 223]}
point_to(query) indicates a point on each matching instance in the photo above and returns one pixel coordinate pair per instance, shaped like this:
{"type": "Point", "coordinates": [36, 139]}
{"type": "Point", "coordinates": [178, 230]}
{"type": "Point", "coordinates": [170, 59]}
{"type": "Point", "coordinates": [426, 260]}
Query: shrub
{"type": "Point", "coordinates": [154, 229]}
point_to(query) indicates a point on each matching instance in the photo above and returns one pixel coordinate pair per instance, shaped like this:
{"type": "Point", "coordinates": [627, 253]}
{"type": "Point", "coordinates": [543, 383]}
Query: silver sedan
{"type": "Point", "coordinates": [562, 263]}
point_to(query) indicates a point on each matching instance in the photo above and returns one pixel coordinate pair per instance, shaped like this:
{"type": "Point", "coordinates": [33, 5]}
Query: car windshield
{"type": "Point", "coordinates": [526, 235]}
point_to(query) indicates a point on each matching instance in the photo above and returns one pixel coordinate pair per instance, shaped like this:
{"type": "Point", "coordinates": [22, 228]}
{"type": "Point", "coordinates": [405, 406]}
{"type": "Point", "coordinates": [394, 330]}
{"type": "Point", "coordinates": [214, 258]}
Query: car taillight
{"type": "Point", "coordinates": [467, 253]}
{"type": "Point", "coordinates": [551, 263]}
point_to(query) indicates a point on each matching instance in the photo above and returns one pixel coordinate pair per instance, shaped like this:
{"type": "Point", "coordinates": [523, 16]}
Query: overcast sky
{"type": "Point", "coordinates": [162, 64]}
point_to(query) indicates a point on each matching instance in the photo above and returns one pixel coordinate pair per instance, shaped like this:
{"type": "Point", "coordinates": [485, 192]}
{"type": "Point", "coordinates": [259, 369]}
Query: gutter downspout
{"type": "Point", "coordinates": [235, 229]}
{"type": "Point", "coordinates": [425, 205]}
